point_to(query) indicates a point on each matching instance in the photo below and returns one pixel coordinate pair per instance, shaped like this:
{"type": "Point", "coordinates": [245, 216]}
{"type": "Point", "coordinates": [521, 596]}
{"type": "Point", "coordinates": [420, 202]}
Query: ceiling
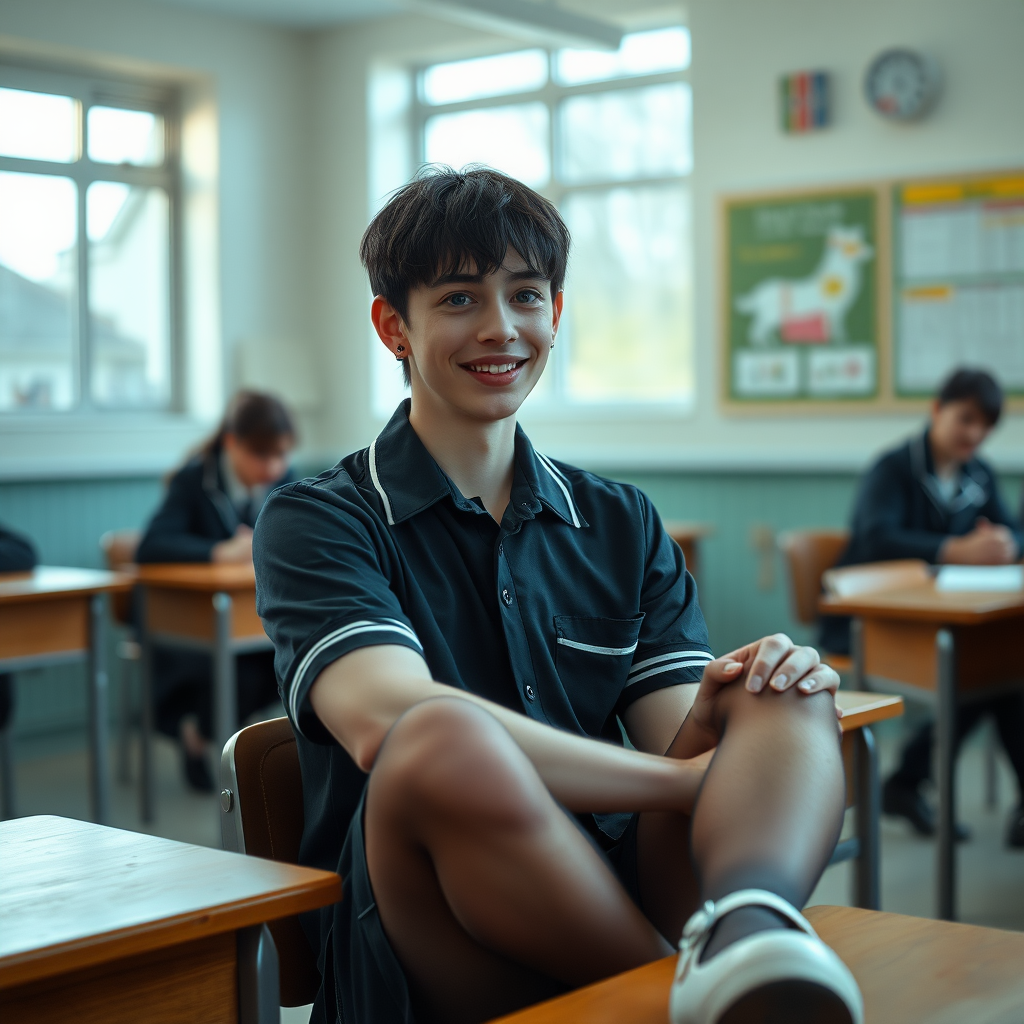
{"type": "Point", "coordinates": [294, 13]}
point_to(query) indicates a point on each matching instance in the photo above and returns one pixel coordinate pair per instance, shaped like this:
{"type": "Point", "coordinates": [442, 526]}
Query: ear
{"type": "Point", "coordinates": [556, 312]}
{"type": "Point", "coordinates": [388, 324]}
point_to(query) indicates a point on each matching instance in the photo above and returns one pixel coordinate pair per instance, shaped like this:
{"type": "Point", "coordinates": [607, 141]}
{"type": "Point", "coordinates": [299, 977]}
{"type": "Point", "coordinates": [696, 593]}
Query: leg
{"type": "Point", "coordinates": [1008, 712]}
{"type": "Point", "coordinates": [488, 892]}
{"type": "Point", "coordinates": [6, 744]}
{"type": "Point", "coordinates": [99, 774]}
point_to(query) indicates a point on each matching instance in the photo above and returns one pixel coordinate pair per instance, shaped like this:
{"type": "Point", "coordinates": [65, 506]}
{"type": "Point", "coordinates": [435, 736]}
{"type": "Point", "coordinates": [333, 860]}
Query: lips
{"type": "Point", "coordinates": [496, 372]}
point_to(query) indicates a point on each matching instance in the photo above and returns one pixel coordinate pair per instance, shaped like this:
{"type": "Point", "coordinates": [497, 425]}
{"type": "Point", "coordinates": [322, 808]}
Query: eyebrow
{"type": "Point", "coordinates": [529, 274]}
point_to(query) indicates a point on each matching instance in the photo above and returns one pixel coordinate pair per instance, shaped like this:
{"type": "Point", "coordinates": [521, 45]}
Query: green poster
{"type": "Point", "coordinates": [802, 297]}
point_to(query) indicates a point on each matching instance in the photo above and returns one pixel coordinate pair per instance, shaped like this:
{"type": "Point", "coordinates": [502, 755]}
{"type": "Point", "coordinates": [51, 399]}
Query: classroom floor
{"type": "Point", "coordinates": [991, 877]}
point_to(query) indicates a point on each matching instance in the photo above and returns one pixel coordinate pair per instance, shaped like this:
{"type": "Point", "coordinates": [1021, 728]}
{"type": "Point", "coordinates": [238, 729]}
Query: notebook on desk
{"type": "Point", "coordinates": [980, 578]}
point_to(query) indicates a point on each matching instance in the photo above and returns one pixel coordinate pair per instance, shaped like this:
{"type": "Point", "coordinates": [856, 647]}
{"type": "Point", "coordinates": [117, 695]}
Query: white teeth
{"type": "Point", "coordinates": [494, 368]}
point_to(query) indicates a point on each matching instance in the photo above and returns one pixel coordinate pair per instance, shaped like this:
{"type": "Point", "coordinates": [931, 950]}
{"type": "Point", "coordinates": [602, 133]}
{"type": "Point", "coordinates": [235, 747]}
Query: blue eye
{"type": "Point", "coordinates": [458, 299]}
{"type": "Point", "coordinates": [528, 296]}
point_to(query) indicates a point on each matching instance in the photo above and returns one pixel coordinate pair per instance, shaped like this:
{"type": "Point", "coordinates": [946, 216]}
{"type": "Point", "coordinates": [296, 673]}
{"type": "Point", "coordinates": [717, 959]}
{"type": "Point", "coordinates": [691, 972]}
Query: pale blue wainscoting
{"type": "Point", "coordinates": [743, 589]}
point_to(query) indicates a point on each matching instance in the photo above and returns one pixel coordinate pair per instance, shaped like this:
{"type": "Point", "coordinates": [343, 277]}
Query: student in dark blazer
{"type": "Point", "coordinates": [207, 516]}
{"type": "Point", "coordinates": [16, 555]}
{"type": "Point", "coordinates": [933, 498]}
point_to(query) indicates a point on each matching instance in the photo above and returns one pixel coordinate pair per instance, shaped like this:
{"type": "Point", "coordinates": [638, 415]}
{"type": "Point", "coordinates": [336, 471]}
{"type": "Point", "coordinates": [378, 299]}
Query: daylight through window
{"type": "Point", "coordinates": [88, 186]}
{"type": "Point", "coordinates": [607, 137]}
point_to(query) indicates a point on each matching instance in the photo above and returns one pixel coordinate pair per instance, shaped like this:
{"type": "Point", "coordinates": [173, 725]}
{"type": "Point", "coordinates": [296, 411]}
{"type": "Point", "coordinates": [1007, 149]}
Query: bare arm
{"type": "Point", "coordinates": [360, 696]}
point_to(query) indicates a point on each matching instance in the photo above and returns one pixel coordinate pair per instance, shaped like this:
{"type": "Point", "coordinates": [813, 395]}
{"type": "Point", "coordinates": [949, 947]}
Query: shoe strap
{"type": "Point", "coordinates": [700, 924]}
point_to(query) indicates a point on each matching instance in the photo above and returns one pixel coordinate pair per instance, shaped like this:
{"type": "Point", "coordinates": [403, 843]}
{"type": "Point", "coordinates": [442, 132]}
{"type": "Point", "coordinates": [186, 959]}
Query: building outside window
{"type": "Point", "coordinates": [88, 244]}
{"type": "Point", "coordinates": [607, 137]}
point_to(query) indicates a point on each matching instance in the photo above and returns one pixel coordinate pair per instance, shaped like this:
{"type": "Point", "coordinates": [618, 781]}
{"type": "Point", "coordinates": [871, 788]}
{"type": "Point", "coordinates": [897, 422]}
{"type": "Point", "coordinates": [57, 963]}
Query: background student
{"type": "Point", "coordinates": [207, 516]}
{"type": "Point", "coordinates": [933, 498]}
{"type": "Point", "coordinates": [16, 555]}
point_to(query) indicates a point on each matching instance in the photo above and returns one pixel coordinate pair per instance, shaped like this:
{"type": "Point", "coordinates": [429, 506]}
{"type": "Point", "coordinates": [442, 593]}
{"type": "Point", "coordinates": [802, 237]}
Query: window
{"type": "Point", "coordinates": [88, 188]}
{"type": "Point", "coordinates": [607, 137]}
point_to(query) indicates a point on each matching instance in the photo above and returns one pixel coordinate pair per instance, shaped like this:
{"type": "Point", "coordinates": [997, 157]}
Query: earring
{"type": "Point", "coordinates": [401, 348]}
{"type": "Point", "coordinates": [552, 344]}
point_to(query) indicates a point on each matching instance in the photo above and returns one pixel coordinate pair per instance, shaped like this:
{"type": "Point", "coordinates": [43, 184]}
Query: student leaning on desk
{"type": "Point", "coordinates": [16, 555]}
{"type": "Point", "coordinates": [207, 516]}
{"type": "Point", "coordinates": [933, 498]}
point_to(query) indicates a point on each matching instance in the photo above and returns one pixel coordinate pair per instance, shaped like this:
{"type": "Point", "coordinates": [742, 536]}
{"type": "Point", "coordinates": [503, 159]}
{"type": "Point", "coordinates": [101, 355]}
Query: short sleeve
{"type": "Point", "coordinates": [673, 644]}
{"type": "Point", "coordinates": [322, 590]}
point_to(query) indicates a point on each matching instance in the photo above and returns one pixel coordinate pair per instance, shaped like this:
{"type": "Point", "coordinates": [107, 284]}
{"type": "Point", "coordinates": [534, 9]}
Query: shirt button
{"type": "Point", "coordinates": [530, 695]}
{"type": "Point", "coordinates": [506, 597]}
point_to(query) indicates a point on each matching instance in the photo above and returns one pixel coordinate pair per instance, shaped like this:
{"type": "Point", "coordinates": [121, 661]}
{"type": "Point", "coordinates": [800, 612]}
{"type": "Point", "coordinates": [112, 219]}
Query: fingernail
{"type": "Point", "coordinates": [806, 685]}
{"type": "Point", "coordinates": [754, 684]}
{"type": "Point", "coordinates": [731, 666]}
{"type": "Point", "coordinates": [779, 682]}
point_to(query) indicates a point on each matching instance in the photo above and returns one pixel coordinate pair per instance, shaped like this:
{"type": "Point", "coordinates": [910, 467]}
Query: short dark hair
{"type": "Point", "coordinates": [444, 220]}
{"type": "Point", "coordinates": [977, 386]}
{"type": "Point", "coordinates": [259, 420]}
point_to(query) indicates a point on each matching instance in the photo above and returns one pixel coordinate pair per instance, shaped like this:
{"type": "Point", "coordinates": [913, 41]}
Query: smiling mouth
{"type": "Point", "coordinates": [494, 368]}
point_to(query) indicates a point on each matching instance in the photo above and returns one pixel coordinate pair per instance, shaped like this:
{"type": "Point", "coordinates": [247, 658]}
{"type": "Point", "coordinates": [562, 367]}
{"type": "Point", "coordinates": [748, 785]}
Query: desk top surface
{"type": "Point", "coordinates": [909, 969]}
{"type": "Point", "coordinates": [677, 528]}
{"type": "Point", "coordinates": [52, 581]}
{"type": "Point", "coordinates": [860, 709]}
{"type": "Point", "coordinates": [74, 894]}
{"type": "Point", "coordinates": [204, 576]}
{"type": "Point", "coordinates": [923, 603]}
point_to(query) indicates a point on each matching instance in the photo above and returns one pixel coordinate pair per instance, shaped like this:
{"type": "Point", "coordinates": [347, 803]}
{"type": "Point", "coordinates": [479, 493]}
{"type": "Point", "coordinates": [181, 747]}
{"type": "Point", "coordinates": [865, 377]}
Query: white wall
{"type": "Point", "coordinates": [248, 208]}
{"type": "Point", "coordinates": [740, 49]}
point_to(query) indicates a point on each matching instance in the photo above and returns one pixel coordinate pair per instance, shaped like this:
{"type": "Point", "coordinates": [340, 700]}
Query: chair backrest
{"type": "Point", "coordinates": [808, 554]}
{"type": "Point", "coordinates": [853, 580]}
{"type": "Point", "coordinates": [119, 547]}
{"type": "Point", "coordinates": [261, 815]}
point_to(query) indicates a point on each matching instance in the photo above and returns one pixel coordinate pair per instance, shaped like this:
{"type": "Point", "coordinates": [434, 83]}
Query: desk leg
{"type": "Point", "coordinates": [259, 997]}
{"type": "Point", "coordinates": [99, 774]}
{"type": "Point", "coordinates": [857, 654]}
{"type": "Point", "coordinates": [945, 728]}
{"type": "Point", "coordinates": [7, 768]}
{"type": "Point", "coordinates": [146, 712]}
{"type": "Point", "coordinates": [867, 815]}
{"type": "Point", "coordinates": [225, 711]}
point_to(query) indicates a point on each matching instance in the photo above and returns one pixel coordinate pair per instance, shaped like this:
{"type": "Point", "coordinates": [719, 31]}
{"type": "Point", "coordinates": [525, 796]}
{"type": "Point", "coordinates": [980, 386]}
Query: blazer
{"type": "Point", "coordinates": [900, 513]}
{"type": "Point", "coordinates": [195, 515]}
{"type": "Point", "coordinates": [16, 552]}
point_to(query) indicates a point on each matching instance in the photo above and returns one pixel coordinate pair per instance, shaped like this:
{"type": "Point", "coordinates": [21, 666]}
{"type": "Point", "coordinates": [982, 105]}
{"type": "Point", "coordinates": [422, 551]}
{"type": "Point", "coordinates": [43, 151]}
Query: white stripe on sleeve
{"type": "Point", "coordinates": [697, 655]}
{"type": "Point", "coordinates": [668, 666]}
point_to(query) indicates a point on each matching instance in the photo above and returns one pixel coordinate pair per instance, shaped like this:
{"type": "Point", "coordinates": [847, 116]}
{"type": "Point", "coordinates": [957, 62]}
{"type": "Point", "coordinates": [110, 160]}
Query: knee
{"type": "Point", "coordinates": [790, 710]}
{"type": "Point", "coordinates": [447, 756]}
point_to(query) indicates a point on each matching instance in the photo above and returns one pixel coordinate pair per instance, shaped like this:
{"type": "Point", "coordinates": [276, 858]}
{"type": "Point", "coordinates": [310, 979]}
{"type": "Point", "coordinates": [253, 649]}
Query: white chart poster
{"type": "Point", "coordinates": [959, 282]}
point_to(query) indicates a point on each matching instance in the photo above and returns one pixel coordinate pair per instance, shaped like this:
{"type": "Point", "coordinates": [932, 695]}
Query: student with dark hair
{"type": "Point", "coordinates": [461, 623]}
{"type": "Point", "coordinates": [16, 555]}
{"type": "Point", "coordinates": [934, 498]}
{"type": "Point", "coordinates": [208, 515]}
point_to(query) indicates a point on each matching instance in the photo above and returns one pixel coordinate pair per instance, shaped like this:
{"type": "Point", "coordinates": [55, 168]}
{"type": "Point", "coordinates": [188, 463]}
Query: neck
{"type": "Point", "coordinates": [478, 455]}
{"type": "Point", "coordinates": [943, 463]}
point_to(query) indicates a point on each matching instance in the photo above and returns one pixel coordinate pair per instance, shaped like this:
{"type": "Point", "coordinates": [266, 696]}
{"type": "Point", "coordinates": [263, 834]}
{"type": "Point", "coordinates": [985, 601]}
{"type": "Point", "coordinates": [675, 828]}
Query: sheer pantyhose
{"type": "Point", "coordinates": [493, 899]}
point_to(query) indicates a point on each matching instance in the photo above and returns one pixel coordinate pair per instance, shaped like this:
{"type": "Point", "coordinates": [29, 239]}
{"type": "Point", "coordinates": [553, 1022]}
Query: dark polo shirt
{"type": "Point", "coordinates": [574, 606]}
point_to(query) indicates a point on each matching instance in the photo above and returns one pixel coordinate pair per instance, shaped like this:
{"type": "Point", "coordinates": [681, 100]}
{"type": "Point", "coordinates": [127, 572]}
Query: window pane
{"type": "Point", "coordinates": [119, 136]}
{"type": "Point", "coordinates": [38, 270]}
{"type": "Point", "coordinates": [629, 133]}
{"type": "Point", "coordinates": [129, 305]}
{"type": "Point", "coordinates": [629, 295]}
{"type": "Point", "coordinates": [485, 76]}
{"type": "Point", "coordinates": [38, 126]}
{"type": "Point", "coordinates": [512, 139]}
{"type": "Point", "coordinates": [640, 53]}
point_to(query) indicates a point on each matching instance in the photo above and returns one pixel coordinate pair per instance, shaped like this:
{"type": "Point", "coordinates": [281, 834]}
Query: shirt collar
{"type": "Point", "coordinates": [408, 479]}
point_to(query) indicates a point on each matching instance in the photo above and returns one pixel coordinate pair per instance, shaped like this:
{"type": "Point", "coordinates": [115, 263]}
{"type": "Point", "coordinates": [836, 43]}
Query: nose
{"type": "Point", "coordinates": [497, 325]}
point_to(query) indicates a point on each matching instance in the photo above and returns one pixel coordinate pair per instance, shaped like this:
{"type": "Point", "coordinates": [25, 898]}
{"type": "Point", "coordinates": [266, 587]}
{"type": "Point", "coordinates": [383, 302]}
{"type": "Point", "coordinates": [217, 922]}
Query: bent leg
{"type": "Point", "coordinates": [768, 815]}
{"type": "Point", "coordinates": [488, 892]}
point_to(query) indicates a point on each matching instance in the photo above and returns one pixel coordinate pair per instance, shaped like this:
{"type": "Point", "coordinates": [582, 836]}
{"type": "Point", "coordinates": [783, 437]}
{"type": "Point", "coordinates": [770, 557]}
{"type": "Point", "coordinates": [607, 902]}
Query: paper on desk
{"type": "Point", "coordinates": [980, 578]}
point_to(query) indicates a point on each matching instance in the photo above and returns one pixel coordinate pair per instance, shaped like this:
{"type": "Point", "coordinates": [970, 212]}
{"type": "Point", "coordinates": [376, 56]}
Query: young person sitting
{"type": "Point", "coordinates": [17, 554]}
{"type": "Point", "coordinates": [461, 625]}
{"type": "Point", "coordinates": [207, 516]}
{"type": "Point", "coordinates": [933, 498]}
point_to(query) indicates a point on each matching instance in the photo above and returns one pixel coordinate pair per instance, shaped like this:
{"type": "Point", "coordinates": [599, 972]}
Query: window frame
{"type": "Point", "coordinates": [90, 89]}
{"type": "Point", "coordinates": [559, 405]}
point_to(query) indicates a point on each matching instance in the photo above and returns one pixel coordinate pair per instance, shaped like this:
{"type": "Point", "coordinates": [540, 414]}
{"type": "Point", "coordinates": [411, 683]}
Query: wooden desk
{"type": "Point", "coordinates": [97, 924]}
{"type": "Point", "coordinates": [688, 536]}
{"type": "Point", "coordinates": [941, 647]}
{"type": "Point", "coordinates": [205, 607]}
{"type": "Point", "coordinates": [49, 616]}
{"type": "Point", "coordinates": [910, 971]}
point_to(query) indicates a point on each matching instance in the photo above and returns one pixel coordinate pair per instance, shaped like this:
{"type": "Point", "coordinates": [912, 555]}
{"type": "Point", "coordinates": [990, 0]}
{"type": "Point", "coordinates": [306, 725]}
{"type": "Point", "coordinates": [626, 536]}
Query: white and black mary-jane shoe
{"type": "Point", "coordinates": [779, 976]}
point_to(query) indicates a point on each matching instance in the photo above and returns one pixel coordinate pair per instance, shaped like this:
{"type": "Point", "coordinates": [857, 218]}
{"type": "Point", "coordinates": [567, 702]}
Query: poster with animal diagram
{"type": "Point", "coordinates": [801, 287]}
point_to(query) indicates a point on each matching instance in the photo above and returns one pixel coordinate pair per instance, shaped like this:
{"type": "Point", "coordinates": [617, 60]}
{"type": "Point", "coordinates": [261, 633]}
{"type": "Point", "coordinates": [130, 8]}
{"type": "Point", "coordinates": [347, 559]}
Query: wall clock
{"type": "Point", "coordinates": [901, 84]}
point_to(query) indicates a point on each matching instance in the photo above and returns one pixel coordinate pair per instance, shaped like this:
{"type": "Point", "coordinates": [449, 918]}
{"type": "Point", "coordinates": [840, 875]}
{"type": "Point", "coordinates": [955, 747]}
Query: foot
{"type": "Point", "coordinates": [905, 801]}
{"type": "Point", "coordinates": [1015, 833]}
{"type": "Point", "coordinates": [772, 974]}
{"type": "Point", "coordinates": [197, 773]}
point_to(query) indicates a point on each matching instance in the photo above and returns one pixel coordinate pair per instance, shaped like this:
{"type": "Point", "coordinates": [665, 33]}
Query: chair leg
{"type": "Point", "coordinates": [125, 712]}
{"type": "Point", "coordinates": [6, 772]}
{"type": "Point", "coordinates": [991, 770]}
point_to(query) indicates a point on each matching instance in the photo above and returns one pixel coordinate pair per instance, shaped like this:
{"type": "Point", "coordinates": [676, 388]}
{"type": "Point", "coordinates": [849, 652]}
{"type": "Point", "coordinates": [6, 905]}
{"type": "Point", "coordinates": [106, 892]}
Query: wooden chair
{"type": "Point", "coordinates": [261, 815]}
{"type": "Point", "coordinates": [119, 547]}
{"type": "Point", "coordinates": [809, 554]}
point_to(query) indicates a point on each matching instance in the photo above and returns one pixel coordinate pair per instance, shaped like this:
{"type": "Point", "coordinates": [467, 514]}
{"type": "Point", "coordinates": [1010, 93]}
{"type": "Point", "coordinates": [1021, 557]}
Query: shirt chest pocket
{"type": "Point", "coordinates": [592, 656]}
